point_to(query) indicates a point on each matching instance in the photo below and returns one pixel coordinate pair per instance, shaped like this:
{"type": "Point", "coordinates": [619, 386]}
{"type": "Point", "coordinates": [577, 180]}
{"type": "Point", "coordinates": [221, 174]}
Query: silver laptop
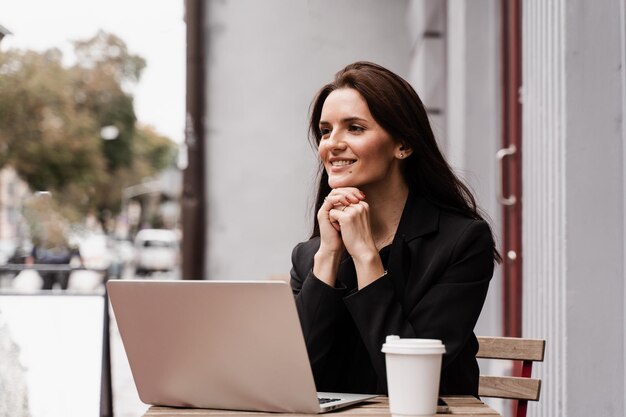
{"type": "Point", "coordinates": [218, 344]}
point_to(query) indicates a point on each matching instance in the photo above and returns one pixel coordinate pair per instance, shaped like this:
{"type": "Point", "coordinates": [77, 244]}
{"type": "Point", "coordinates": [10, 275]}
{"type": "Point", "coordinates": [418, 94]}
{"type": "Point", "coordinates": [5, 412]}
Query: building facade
{"type": "Point", "coordinates": [265, 62]}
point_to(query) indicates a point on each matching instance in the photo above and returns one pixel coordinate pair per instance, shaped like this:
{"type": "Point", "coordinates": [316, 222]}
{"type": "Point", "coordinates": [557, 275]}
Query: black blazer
{"type": "Point", "coordinates": [439, 268]}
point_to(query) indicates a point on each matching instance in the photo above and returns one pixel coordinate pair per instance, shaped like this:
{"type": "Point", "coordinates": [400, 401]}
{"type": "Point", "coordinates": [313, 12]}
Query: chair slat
{"type": "Point", "coordinates": [511, 348]}
{"type": "Point", "coordinates": [509, 387]}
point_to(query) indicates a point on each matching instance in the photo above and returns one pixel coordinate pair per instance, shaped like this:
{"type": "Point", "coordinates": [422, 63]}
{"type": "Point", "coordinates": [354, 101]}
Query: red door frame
{"type": "Point", "coordinates": [511, 167]}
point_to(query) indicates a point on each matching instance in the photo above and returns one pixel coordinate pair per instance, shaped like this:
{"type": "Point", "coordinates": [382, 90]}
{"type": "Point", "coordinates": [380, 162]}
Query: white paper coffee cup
{"type": "Point", "coordinates": [413, 372]}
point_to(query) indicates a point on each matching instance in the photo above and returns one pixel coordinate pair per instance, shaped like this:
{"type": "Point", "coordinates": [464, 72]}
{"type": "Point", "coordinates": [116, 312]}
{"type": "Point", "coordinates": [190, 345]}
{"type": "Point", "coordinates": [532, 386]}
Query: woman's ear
{"type": "Point", "coordinates": [403, 151]}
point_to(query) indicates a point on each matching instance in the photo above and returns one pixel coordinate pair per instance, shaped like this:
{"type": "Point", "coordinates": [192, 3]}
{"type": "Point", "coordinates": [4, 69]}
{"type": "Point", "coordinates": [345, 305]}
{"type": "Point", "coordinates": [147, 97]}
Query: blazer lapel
{"type": "Point", "coordinates": [419, 218]}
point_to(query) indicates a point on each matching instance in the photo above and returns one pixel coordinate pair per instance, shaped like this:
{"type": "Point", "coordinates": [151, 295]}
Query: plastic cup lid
{"type": "Point", "coordinates": [394, 344]}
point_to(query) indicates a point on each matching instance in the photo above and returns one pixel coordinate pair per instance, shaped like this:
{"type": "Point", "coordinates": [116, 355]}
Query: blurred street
{"type": "Point", "coordinates": [126, 401]}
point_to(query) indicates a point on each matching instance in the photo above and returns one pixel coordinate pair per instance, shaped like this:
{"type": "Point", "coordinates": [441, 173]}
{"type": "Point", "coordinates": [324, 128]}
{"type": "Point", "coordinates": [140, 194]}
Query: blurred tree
{"type": "Point", "coordinates": [103, 71]}
{"type": "Point", "coordinates": [54, 121]}
{"type": "Point", "coordinates": [47, 140]}
{"type": "Point", "coordinates": [151, 153]}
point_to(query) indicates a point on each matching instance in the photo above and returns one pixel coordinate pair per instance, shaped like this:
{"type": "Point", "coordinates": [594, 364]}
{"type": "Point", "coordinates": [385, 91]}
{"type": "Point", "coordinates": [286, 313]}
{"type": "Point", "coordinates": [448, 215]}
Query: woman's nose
{"type": "Point", "coordinates": [335, 141]}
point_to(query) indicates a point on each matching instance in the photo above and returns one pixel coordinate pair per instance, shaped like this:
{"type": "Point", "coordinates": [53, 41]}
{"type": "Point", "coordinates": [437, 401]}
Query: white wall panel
{"type": "Point", "coordinates": [573, 187]}
{"type": "Point", "coordinates": [544, 243]}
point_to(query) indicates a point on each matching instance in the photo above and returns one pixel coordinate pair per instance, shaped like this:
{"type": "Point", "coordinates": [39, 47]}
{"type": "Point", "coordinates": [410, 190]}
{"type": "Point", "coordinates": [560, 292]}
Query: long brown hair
{"type": "Point", "coordinates": [397, 108]}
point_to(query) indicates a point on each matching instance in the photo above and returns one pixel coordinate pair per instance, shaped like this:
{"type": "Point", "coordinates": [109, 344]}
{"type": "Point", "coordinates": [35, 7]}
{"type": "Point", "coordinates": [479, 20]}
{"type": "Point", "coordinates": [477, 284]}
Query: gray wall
{"type": "Point", "coordinates": [267, 59]}
{"type": "Point", "coordinates": [474, 119]}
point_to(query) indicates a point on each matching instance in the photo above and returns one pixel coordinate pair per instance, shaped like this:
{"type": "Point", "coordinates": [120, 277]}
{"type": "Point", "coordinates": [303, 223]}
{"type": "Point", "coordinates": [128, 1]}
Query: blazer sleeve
{"type": "Point", "coordinates": [318, 306]}
{"type": "Point", "coordinates": [448, 310]}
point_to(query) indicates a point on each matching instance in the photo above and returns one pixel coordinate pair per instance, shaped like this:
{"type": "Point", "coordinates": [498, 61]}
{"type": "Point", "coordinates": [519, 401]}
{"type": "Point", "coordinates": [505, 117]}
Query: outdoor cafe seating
{"type": "Point", "coordinates": [522, 389]}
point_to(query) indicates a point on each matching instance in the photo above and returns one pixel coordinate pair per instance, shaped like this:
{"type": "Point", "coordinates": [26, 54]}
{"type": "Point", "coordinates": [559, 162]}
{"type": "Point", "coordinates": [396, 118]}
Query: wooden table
{"type": "Point", "coordinates": [379, 406]}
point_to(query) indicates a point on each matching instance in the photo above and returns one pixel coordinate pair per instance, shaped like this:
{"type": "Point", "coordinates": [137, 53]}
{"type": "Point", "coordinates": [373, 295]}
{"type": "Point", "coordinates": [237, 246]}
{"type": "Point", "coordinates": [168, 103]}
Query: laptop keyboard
{"type": "Point", "coordinates": [328, 400]}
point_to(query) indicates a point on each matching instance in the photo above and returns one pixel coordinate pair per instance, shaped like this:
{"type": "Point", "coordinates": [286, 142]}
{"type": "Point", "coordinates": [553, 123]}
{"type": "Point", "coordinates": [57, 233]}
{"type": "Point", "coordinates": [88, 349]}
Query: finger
{"type": "Point", "coordinates": [327, 204]}
{"type": "Point", "coordinates": [352, 193]}
{"type": "Point", "coordinates": [336, 216]}
{"type": "Point", "coordinates": [352, 199]}
{"type": "Point", "coordinates": [344, 196]}
{"type": "Point", "coordinates": [334, 221]}
{"type": "Point", "coordinates": [351, 190]}
{"type": "Point", "coordinates": [338, 199]}
{"type": "Point", "coordinates": [364, 205]}
{"type": "Point", "coordinates": [332, 201]}
{"type": "Point", "coordinates": [341, 214]}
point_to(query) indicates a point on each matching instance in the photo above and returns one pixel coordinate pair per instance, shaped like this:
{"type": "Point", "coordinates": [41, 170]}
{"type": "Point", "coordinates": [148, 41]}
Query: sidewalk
{"type": "Point", "coordinates": [126, 401]}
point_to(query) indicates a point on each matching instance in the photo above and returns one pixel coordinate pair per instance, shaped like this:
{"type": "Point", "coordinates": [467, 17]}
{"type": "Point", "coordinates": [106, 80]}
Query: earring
{"type": "Point", "coordinates": [401, 155]}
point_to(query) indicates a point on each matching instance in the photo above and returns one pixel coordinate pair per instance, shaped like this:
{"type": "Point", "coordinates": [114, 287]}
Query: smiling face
{"type": "Point", "coordinates": [355, 149]}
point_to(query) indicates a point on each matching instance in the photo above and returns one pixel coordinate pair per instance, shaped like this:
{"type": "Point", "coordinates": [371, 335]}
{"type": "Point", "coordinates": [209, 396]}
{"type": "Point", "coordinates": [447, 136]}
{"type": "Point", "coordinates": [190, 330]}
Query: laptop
{"type": "Point", "coordinates": [234, 345]}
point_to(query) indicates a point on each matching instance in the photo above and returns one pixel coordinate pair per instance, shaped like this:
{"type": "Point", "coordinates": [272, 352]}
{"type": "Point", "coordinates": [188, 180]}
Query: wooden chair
{"type": "Point", "coordinates": [522, 389]}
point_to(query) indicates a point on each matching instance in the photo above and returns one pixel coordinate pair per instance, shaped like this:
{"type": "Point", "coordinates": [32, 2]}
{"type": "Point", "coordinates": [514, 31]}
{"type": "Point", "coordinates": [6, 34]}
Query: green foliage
{"type": "Point", "coordinates": [153, 147]}
{"type": "Point", "coordinates": [44, 137]}
{"type": "Point", "coordinates": [51, 118]}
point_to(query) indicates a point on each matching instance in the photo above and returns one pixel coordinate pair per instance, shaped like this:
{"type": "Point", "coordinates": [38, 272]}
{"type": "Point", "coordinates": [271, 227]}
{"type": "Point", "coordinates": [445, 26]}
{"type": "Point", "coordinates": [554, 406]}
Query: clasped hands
{"type": "Point", "coordinates": [344, 222]}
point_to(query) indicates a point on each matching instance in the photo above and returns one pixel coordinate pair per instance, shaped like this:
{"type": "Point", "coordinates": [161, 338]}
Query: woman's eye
{"type": "Point", "coordinates": [356, 128]}
{"type": "Point", "coordinates": [324, 131]}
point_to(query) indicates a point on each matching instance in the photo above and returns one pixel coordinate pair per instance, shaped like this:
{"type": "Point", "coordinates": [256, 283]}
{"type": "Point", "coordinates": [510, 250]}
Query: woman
{"type": "Point", "coordinates": [398, 245]}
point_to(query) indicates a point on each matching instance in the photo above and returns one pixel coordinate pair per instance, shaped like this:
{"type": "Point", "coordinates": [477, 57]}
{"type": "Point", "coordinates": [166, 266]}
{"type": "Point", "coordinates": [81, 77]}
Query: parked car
{"type": "Point", "coordinates": [156, 250]}
{"type": "Point", "coordinates": [94, 251]}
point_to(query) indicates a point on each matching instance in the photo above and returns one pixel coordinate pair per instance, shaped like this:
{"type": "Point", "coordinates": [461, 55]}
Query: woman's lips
{"type": "Point", "coordinates": [342, 162]}
{"type": "Point", "coordinates": [340, 165]}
